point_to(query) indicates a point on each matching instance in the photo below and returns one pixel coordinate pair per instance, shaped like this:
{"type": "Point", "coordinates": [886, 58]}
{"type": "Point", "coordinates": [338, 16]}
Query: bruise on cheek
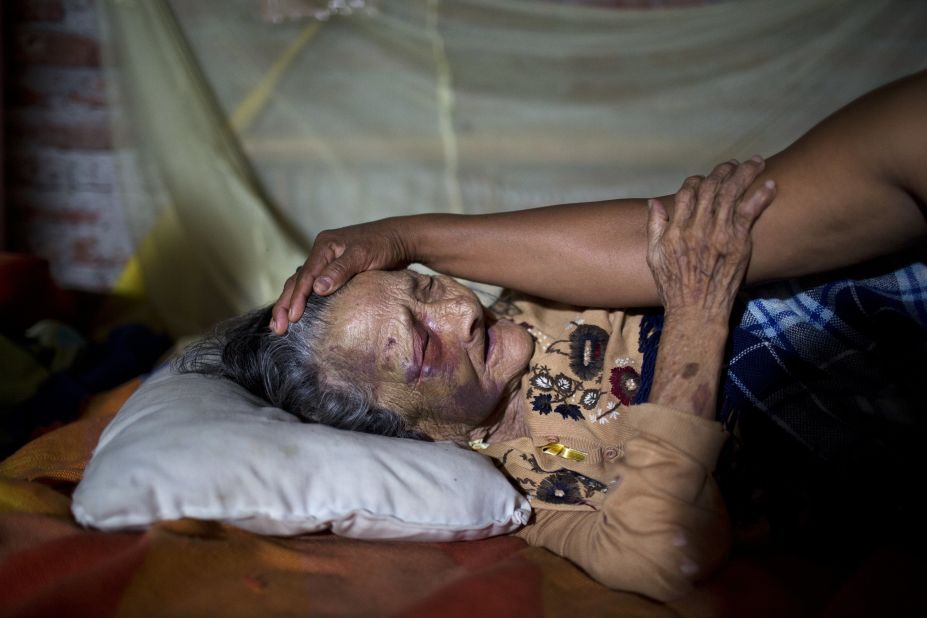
{"type": "Point", "coordinates": [474, 403]}
{"type": "Point", "coordinates": [436, 362]}
{"type": "Point", "coordinates": [689, 370]}
{"type": "Point", "coordinates": [390, 352]}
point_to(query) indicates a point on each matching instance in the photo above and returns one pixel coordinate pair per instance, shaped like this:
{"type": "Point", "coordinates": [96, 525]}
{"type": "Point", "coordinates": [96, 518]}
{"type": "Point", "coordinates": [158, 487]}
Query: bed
{"type": "Point", "coordinates": [50, 565]}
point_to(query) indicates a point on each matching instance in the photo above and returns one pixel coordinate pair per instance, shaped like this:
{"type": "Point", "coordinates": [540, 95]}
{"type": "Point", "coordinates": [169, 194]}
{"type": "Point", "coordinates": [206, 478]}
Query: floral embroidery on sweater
{"type": "Point", "coordinates": [587, 351]}
{"type": "Point", "coordinates": [558, 487]}
{"type": "Point", "coordinates": [555, 393]}
{"type": "Point", "coordinates": [568, 410]}
{"type": "Point", "coordinates": [626, 382]}
{"type": "Point", "coordinates": [582, 369]}
{"type": "Point", "coordinates": [580, 388]}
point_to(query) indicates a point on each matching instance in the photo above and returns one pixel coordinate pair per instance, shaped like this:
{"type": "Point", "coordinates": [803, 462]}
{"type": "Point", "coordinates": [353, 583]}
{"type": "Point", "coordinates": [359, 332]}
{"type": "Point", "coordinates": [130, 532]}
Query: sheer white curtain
{"type": "Point", "coordinates": [465, 106]}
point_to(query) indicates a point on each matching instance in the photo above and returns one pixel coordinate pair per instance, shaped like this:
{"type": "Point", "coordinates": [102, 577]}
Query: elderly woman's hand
{"type": "Point", "coordinates": [699, 259]}
{"type": "Point", "coordinates": [335, 257]}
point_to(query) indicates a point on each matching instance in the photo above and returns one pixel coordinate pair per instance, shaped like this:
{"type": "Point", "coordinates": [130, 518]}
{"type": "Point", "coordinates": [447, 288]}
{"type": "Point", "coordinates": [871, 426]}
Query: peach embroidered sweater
{"type": "Point", "coordinates": [624, 491]}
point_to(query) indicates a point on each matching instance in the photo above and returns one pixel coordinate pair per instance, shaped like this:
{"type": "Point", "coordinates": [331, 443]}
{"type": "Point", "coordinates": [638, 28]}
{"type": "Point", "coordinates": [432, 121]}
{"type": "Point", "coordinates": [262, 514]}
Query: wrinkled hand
{"type": "Point", "coordinates": [335, 257]}
{"type": "Point", "coordinates": [699, 259]}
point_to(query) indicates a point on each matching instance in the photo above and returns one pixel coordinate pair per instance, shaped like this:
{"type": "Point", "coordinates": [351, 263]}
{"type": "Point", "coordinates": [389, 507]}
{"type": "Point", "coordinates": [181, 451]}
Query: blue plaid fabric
{"type": "Point", "coordinates": [829, 363]}
{"type": "Point", "coordinates": [823, 389]}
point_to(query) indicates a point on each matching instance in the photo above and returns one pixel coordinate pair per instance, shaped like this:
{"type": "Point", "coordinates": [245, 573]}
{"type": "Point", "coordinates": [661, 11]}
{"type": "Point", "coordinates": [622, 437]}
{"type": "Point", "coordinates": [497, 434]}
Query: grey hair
{"type": "Point", "coordinates": [290, 372]}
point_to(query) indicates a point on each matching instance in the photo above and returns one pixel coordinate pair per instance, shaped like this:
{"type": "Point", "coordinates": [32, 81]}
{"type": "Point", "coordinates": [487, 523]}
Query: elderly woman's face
{"type": "Point", "coordinates": [427, 343]}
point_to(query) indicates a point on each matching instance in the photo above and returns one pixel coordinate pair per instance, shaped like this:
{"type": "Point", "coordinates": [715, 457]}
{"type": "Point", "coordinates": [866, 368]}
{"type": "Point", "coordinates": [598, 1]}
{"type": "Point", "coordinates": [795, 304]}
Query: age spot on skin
{"type": "Point", "coordinates": [689, 370]}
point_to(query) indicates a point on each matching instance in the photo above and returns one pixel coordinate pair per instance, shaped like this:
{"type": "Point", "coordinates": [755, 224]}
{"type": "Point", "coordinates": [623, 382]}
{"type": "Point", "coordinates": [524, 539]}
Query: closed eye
{"type": "Point", "coordinates": [423, 335]}
{"type": "Point", "coordinates": [416, 283]}
{"type": "Point", "coordinates": [428, 282]}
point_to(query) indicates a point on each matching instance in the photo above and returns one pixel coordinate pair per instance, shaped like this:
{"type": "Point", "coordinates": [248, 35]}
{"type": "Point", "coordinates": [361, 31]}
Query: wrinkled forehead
{"type": "Point", "coordinates": [370, 307]}
{"type": "Point", "coordinates": [368, 338]}
{"type": "Point", "coordinates": [374, 290]}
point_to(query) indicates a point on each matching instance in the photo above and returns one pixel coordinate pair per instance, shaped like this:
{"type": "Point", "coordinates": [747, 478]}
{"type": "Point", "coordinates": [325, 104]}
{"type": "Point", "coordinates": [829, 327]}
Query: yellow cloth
{"type": "Point", "coordinates": [57, 458]}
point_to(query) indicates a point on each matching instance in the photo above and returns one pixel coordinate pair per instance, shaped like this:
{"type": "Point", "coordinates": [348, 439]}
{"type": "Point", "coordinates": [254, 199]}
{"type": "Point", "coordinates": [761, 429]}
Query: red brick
{"type": "Point", "coordinates": [29, 170]}
{"type": "Point", "coordinates": [53, 169]}
{"type": "Point", "coordinates": [24, 96]}
{"type": "Point", "coordinates": [76, 136]}
{"type": "Point", "coordinates": [85, 252]}
{"type": "Point", "coordinates": [44, 47]}
{"type": "Point", "coordinates": [39, 10]}
{"type": "Point", "coordinates": [91, 172]}
{"type": "Point", "coordinates": [91, 92]}
{"type": "Point", "coordinates": [82, 234]}
{"type": "Point", "coordinates": [71, 216]}
{"type": "Point", "coordinates": [59, 87]}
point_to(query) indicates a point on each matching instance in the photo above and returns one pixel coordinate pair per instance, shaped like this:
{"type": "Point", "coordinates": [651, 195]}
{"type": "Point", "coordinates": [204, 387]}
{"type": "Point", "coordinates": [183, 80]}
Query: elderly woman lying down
{"type": "Point", "coordinates": [623, 490]}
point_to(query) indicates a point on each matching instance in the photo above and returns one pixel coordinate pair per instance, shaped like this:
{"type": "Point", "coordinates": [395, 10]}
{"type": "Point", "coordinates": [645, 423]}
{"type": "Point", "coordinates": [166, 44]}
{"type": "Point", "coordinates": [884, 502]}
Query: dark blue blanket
{"type": "Point", "coordinates": [823, 393]}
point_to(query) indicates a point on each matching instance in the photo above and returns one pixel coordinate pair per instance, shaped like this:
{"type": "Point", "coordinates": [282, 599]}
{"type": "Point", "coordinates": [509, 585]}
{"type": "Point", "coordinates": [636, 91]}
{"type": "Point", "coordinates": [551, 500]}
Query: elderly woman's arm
{"type": "Point", "coordinates": [698, 260]}
{"type": "Point", "coordinates": [663, 525]}
{"type": "Point", "coordinates": [849, 190]}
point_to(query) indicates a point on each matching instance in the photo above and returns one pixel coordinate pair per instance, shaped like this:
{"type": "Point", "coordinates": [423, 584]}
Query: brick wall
{"type": "Point", "coordinates": [61, 185]}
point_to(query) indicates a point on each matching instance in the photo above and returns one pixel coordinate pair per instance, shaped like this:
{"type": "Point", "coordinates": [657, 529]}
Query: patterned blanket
{"type": "Point", "coordinates": [822, 392]}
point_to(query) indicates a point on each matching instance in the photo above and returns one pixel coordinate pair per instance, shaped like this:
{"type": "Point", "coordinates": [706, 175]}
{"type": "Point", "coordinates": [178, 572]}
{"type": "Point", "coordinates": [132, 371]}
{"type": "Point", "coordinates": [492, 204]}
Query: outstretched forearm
{"type": "Point", "coordinates": [552, 252]}
{"type": "Point", "coordinates": [848, 191]}
{"type": "Point", "coordinates": [853, 188]}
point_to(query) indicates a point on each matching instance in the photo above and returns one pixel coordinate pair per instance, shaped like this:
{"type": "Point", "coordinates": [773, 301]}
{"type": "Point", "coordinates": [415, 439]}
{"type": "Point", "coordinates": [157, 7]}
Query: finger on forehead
{"type": "Point", "coordinates": [320, 258]}
{"type": "Point", "coordinates": [301, 292]}
{"type": "Point", "coordinates": [305, 276]}
{"type": "Point", "coordinates": [279, 321]}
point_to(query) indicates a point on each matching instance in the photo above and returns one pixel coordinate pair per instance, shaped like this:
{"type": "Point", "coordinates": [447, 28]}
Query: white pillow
{"type": "Point", "coordinates": [196, 446]}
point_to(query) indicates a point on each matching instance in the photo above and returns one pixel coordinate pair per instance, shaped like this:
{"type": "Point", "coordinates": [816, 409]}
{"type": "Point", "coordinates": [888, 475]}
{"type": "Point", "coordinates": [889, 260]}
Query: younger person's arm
{"type": "Point", "coordinates": [853, 188]}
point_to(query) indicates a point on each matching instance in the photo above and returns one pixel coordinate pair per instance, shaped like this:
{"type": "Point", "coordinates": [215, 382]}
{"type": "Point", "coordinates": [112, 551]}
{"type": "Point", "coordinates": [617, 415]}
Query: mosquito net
{"type": "Point", "coordinates": [248, 126]}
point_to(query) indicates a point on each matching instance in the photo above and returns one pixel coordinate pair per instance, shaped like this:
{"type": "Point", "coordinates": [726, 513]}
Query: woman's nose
{"type": "Point", "coordinates": [462, 317]}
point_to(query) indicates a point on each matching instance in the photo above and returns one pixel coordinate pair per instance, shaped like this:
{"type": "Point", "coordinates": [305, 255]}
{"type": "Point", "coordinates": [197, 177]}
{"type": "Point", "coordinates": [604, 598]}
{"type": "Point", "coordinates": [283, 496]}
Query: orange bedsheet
{"type": "Point", "coordinates": [50, 566]}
